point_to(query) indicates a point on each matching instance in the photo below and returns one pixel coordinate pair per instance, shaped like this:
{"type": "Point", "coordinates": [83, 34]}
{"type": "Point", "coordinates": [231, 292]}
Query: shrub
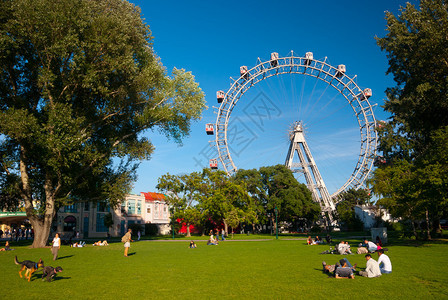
{"type": "Point", "coordinates": [151, 229]}
{"type": "Point", "coordinates": [135, 228]}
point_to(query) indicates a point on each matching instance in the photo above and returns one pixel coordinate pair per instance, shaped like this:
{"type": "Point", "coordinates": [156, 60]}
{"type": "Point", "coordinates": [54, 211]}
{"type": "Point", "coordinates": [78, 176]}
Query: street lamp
{"type": "Point", "coordinates": [276, 222]}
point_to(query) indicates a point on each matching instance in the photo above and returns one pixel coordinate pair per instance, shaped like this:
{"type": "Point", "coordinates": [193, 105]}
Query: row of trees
{"type": "Point", "coordinates": [413, 182]}
{"type": "Point", "coordinates": [250, 197]}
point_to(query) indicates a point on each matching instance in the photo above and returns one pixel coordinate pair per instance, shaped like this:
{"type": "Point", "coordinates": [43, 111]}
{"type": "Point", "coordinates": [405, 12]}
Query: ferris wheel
{"type": "Point", "coordinates": [335, 77]}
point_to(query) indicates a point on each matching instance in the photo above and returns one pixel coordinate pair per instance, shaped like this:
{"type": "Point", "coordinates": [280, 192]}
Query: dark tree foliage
{"type": "Point", "coordinates": [79, 85]}
{"type": "Point", "coordinates": [414, 179]}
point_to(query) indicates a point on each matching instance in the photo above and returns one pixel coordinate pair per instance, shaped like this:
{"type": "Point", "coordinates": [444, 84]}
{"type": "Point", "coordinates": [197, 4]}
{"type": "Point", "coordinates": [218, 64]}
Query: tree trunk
{"type": "Point", "coordinates": [414, 230]}
{"type": "Point", "coordinates": [436, 225]}
{"type": "Point", "coordinates": [188, 230]}
{"type": "Point", "coordinates": [428, 227]}
{"type": "Point", "coordinates": [41, 226]}
{"type": "Point", "coordinates": [41, 233]}
{"type": "Point", "coordinates": [226, 227]}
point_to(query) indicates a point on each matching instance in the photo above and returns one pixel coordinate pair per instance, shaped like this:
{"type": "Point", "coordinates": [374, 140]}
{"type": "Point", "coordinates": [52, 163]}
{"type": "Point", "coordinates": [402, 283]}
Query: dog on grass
{"type": "Point", "coordinates": [30, 267]}
{"type": "Point", "coordinates": [50, 272]}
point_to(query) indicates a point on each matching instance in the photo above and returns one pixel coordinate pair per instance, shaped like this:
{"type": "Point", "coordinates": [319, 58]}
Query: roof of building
{"type": "Point", "coordinates": [153, 196]}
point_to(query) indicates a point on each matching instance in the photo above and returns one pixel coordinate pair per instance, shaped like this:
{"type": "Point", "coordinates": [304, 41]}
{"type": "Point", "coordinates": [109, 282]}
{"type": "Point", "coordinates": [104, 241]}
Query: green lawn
{"type": "Point", "coordinates": [271, 269]}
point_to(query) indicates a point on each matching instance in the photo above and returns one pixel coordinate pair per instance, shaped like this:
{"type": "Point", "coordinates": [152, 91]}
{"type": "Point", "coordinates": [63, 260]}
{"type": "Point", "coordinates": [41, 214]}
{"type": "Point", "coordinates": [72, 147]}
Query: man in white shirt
{"type": "Point", "coordinates": [372, 268]}
{"type": "Point", "coordinates": [384, 262]}
{"type": "Point", "coordinates": [342, 248]}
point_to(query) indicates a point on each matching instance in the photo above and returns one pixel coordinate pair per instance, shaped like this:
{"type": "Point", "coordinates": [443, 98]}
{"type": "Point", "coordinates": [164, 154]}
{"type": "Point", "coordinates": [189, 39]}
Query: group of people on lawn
{"type": "Point", "coordinates": [317, 240]}
{"type": "Point", "coordinates": [344, 269]}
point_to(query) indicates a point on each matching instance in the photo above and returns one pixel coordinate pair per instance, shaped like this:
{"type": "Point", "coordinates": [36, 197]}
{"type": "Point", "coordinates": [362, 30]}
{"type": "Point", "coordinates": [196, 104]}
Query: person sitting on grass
{"type": "Point", "coordinates": [309, 240]}
{"type": "Point", "coordinates": [7, 248]}
{"type": "Point", "coordinates": [317, 240]}
{"type": "Point", "coordinates": [372, 268]}
{"type": "Point", "coordinates": [378, 241]}
{"type": "Point", "coordinates": [348, 249]}
{"type": "Point", "coordinates": [384, 262]}
{"type": "Point", "coordinates": [192, 244]}
{"type": "Point", "coordinates": [343, 248]}
{"type": "Point", "coordinates": [370, 246]}
{"type": "Point", "coordinates": [342, 270]}
{"type": "Point", "coordinates": [211, 240]}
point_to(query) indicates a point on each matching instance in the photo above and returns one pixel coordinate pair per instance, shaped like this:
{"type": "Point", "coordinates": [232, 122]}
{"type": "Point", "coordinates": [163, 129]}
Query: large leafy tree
{"type": "Point", "coordinates": [292, 200]}
{"type": "Point", "coordinates": [226, 199]}
{"type": "Point", "coordinates": [415, 175]}
{"type": "Point", "coordinates": [207, 196]}
{"type": "Point", "coordinates": [183, 197]}
{"type": "Point", "coordinates": [79, 84]}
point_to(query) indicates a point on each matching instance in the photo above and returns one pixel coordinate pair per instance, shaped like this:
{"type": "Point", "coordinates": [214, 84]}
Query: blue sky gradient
{"type": "Point", "coordinates": [212, 39]}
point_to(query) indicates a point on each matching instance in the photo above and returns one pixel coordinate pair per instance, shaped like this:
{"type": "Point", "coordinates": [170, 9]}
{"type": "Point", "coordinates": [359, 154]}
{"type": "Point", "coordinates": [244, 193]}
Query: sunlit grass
{"type": "Point", "coordinates": [271, 269]}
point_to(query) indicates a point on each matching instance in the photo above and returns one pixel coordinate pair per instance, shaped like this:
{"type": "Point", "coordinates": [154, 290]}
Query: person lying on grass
{"type": "Point", "coordinates": [78, 245]}
{"type": "Point", "coordinates": [99, 243]}
{"type": "Point", "coordinates": [343, 269]}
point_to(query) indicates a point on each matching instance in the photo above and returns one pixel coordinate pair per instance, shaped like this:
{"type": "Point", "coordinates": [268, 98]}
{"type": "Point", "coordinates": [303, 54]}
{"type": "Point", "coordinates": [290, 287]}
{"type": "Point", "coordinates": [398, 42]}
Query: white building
{"type": "Point", "coordinates": [88, 218]}
{"type": "Point", "coordinates": [368, 213]}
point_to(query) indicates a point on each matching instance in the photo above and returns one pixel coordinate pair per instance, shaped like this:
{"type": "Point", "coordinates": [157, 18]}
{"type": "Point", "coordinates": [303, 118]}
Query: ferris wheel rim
{"type": "Point", "coordinates": [323, 71]}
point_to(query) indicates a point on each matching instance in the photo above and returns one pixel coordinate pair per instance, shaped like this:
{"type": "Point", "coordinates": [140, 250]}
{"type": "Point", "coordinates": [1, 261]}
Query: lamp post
{"type": "Point", "coordinates": [276, 222]}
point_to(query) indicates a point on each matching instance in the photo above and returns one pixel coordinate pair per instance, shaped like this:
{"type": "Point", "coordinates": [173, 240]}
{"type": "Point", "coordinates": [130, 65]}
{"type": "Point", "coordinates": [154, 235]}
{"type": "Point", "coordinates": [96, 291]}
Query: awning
{"type": "Point", "coordinates": [70, 219]}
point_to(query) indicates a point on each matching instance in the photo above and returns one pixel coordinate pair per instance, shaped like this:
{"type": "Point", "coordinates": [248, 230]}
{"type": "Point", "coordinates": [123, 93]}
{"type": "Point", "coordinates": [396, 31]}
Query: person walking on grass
{"type": "Point", "coordinates": [126, 239]}
{"type": "Point", "coordinates": [56, 246]}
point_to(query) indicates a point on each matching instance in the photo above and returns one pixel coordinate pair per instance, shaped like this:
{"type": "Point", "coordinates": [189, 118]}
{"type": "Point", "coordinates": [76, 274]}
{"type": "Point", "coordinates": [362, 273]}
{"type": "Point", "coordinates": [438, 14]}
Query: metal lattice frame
{"type": "Point", "coordinates": [292, 64]}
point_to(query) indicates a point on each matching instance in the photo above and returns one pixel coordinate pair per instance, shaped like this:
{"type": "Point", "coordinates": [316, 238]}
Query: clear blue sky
{"type": "Point", "coordinates": [212, 39]}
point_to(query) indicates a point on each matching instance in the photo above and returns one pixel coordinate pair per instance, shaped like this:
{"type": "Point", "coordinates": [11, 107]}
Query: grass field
{"type": "Point", "coordinates": [269, 269]}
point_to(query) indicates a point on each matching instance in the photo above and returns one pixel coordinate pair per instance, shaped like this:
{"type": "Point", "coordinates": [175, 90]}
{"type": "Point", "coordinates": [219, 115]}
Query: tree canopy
{"type": "Point", "coordinates": [246, 198]}
{"type": "Point", "coordinates": [414, 179]}
{"type": "Point", "coordinates": [79, 85]}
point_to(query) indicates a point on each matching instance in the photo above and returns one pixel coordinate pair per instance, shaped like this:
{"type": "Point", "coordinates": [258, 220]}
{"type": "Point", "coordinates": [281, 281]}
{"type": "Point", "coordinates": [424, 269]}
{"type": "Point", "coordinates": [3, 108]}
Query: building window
{"type": "Point", "coordinates": [69, 223]}
{"type": "Point", "coordinates": [86, 206]}
{"type": "Point", "coordinates": [139, 207]}
{"type": "Point", "coordinates": [100, 227]}
{"type": "Point", "coordinates": [148, 209]}
{"type": "Point", "coordinates": [102, 207]}
{"type": "Point", "coordinates": [71, 208]}
{"type": "Point", "coordinates": [131, 207]}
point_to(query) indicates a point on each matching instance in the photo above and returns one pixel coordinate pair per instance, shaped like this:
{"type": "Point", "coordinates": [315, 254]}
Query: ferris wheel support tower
{"type": "Point", "coordinates": [308, 167]}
